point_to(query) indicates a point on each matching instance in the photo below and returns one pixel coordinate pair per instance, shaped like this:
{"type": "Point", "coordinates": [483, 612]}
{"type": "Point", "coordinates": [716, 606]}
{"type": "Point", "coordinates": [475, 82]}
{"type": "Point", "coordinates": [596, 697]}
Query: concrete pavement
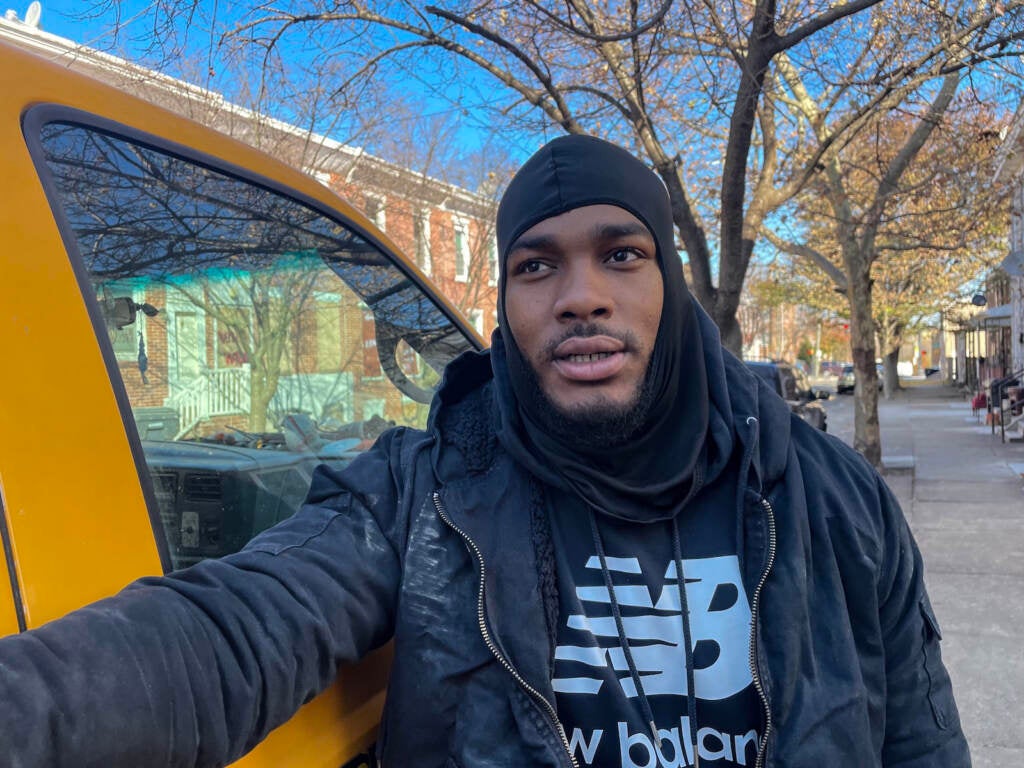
{"type": "Point", "coordinates": [962, 491]}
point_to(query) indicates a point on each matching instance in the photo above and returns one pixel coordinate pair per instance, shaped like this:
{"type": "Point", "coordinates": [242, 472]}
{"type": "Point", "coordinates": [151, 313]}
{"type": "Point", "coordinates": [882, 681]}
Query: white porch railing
{"type": "Point", "coordinates": [215, 392]}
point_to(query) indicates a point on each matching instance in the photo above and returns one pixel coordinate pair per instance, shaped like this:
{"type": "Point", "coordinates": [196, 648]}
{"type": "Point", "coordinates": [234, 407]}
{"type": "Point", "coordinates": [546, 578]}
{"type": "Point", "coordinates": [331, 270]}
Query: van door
{"type": "Point", "coordinates": [234, 316]}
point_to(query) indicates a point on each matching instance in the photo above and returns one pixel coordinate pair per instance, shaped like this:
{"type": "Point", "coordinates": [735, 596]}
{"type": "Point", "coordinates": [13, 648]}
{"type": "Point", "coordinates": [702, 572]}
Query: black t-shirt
{"type": "Point", "coordinates": [595, 694]}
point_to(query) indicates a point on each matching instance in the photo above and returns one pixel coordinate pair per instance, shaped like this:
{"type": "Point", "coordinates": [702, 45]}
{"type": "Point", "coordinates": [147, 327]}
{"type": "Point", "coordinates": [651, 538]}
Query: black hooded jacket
{"type": "Point", "coordinates": [437, 540]}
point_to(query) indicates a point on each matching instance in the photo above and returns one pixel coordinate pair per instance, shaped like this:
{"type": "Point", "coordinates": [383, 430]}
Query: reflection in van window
{"type": "Point", "coordinates": [254, 336]}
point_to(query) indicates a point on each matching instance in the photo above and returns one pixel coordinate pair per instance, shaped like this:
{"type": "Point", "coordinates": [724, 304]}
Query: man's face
{"type": "Point", "coordinates": [583, 298]}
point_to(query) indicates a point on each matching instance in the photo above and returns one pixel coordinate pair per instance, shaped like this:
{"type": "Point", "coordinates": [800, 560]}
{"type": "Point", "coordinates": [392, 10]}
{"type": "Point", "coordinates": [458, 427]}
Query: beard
{"type": "Point", "coordinates": [597, 424]}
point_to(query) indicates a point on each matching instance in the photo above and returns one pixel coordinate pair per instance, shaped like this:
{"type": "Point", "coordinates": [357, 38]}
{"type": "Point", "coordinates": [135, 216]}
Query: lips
{"type": "Point", "coordinates": [591, 358]}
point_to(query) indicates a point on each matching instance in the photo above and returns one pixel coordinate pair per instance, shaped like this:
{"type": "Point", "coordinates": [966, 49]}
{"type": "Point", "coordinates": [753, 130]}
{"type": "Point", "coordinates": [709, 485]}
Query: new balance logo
{"type": "Point", "coordinates": [719, 614]}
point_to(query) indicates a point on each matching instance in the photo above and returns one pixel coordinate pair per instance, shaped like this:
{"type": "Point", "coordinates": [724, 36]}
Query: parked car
{"type": "Point", "coordinates": [830, 368]}
{"type": "Point", "coordinates": [845, 382]}
{"type": "Point", "coordinates": [189, 327]}
{"type": "Point", "coordinates": [791, 384]}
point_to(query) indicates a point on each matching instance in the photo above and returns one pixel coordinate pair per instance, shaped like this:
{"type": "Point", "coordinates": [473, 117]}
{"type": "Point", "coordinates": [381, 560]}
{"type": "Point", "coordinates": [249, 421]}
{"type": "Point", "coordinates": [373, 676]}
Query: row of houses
{"type": "Point", "coordinates": [984, 334]}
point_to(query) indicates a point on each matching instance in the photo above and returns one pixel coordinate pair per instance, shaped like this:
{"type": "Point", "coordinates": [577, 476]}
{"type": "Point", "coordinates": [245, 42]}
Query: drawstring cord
{"type": "Point", "coordinates": [684, 614]}
{"type": "Point", "coordinates": [617, 614]}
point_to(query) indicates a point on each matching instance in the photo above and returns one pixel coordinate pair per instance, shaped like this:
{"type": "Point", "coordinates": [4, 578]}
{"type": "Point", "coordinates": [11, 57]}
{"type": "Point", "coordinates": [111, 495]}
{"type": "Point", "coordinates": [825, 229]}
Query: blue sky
{"type": "Point", "coordinates": [93, 23]}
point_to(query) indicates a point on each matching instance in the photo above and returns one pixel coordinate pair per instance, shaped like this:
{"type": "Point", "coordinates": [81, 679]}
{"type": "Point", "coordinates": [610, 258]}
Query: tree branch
{"type": "Point", "coordinates": [837, 275]}
{"type": "Point", "coordinates": [631, 34]}
{"type": "Point", "coordinates": [829, 17]}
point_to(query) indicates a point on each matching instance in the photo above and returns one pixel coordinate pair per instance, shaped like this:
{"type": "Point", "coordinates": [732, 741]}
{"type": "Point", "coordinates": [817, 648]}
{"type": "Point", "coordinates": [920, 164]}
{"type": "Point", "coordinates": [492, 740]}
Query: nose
{"type": "Point", "coordinates": [584, 293]}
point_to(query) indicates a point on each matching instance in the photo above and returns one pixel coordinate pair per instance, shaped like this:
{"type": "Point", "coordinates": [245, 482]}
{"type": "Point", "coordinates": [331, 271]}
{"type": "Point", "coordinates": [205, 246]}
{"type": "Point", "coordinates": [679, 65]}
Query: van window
{"type": "Point", "coordinates": [254, 336]}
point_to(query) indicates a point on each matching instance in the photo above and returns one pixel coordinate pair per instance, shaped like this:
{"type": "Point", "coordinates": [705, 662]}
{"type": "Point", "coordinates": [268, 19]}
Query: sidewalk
{"type": "Point", "coordinates": [962, 491]}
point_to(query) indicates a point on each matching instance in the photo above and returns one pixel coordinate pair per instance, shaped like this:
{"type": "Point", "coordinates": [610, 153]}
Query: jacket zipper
{"type": "Point", "coordinates": [485, 632]}
{"type": "Point", "coordinates": [762, 749]}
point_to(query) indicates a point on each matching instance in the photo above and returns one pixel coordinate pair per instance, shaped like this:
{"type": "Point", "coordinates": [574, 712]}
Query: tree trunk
{"type": "Point", "coordinates": [729, 328]}
{"type": "Point", "coordinates": [718, 305]}
{"type": "Point", "coordinates": [867, 436]}
{"type": "Point", "coordinates": [889, 342]}
{"type": "Point", "coordinates": [892, 375]}
{"type": "Point", "coordinates": [262, 387]}
{"type": "Point", "coordinates": [268, 350]}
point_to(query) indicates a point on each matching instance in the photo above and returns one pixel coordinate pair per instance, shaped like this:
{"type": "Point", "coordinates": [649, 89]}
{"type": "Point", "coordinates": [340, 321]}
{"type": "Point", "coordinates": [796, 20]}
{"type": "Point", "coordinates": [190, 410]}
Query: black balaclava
{"type": "Point", "coordinates": [650, 476]}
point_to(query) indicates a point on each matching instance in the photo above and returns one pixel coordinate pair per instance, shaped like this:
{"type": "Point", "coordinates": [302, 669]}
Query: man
{"type": "Point", "coordinates": [612, 546]}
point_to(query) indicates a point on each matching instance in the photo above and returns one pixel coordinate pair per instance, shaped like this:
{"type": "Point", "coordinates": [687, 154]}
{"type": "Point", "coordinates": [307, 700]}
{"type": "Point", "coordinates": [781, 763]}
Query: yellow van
{"type": "Point", "coordinates": [187, 328]}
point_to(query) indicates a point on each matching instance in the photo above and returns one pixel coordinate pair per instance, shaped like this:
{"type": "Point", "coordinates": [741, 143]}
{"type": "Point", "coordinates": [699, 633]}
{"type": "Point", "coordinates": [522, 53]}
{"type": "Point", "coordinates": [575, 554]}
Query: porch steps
{"type": "Point", "coordinates": [1015, 430]}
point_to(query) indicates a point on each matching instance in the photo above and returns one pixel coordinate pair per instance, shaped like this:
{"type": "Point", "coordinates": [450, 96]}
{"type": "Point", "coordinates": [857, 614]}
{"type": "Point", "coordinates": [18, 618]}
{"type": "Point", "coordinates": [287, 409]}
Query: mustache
{"type": "Point", "coordinates": [586, 330]}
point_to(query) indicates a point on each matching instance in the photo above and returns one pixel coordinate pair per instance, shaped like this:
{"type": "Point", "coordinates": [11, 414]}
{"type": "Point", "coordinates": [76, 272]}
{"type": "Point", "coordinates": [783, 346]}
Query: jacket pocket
{"type": "Point", "coordinates": [938, 678]}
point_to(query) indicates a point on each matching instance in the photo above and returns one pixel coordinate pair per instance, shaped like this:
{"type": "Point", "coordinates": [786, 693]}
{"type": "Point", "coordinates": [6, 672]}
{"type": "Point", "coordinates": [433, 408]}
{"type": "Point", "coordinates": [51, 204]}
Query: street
{"type": "Point", "coordinates": [962, 491]}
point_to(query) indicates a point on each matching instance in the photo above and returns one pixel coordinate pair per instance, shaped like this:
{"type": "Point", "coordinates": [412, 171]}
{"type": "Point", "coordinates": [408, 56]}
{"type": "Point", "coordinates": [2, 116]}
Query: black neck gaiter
{"type": "Point", "coordinates": [649, 475]}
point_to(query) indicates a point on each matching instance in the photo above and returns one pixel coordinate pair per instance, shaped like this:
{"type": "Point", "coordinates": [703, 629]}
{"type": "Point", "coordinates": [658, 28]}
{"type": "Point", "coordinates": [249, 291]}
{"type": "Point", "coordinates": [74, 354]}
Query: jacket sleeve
{"type": "Point", "coordinates": [196, 667]}
{"type": "Point", "coordinates": [922, 725]}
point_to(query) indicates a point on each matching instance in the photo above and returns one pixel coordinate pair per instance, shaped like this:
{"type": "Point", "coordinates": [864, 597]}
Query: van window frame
{"type": "Point", "coordinates": [33, 121]}
{"type": "Point", "coordinates": [12, 572]}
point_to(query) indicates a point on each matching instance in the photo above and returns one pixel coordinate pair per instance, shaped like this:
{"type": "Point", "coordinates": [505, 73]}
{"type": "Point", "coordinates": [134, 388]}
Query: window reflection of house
{"type": "Point", "coordinates": [233, 336]}
{"type": "Point", "coordinates": [273, 309]}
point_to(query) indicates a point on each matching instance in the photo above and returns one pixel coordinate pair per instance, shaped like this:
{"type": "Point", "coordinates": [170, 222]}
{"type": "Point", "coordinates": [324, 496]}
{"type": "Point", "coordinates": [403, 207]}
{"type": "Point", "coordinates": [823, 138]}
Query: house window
{"type": "Point", "coordinates": [371, 362]}
{"type": "Point", "coordinates": [189, 348]}
{"type": "Point", "coordinates": [461, 251]}
{"type": "Point", "coordinates": [476, 319]}
{"type": "Point", "coordinates": [234, 336]}
{"type": "Point", "coordinates": [421, 234]}
{"type": "Point", "coordinates": [492, 262]}
{"type": "Point", "coordinates": [374, 209]}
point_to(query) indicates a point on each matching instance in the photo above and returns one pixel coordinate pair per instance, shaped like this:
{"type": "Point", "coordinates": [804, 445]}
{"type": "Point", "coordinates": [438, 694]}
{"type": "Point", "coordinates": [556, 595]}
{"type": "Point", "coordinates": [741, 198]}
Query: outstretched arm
{"type": "Point", "coordinates": [195, 668]}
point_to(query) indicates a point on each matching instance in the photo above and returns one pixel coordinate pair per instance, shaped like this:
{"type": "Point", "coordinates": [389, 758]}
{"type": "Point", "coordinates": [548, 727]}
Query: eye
{"type": "Point", "coordinates": [530, 267]}
{"type": "Point", "coordinates": [624, 255]}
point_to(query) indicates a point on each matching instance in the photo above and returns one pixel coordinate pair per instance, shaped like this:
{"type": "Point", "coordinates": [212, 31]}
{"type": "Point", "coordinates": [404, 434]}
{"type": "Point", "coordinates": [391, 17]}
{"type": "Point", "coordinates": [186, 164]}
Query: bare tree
{"type": "Point", "coordinates": [586, 71]}
{"type": "Point", "coordinates": [679, 83]}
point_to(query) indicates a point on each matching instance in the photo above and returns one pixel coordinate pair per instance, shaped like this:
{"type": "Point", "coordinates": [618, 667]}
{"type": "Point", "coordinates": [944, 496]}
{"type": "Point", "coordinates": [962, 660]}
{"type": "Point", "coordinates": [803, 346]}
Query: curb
{"type": "Point", "coordinates": [898, 464]}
